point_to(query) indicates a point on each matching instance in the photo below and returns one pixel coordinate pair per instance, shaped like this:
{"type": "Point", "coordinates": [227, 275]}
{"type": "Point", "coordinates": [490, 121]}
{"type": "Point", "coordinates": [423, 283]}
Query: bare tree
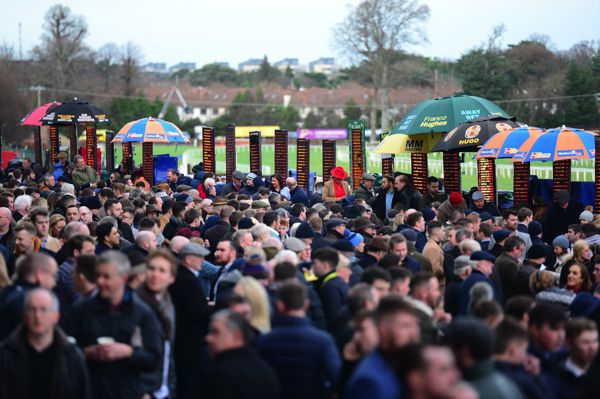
{"type": "Point", "coordinates": [130, 66]}
{"type": "Point", "coordinates": [107, 59]}
{"type": "Point", "coordinates": [62, 49]}
{"type": "Point", "coordinates": [374, 30]}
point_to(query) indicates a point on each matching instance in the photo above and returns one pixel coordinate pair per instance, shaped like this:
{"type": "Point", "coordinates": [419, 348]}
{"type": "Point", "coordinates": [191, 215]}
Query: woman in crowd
{"type": "Point", "coordinates": [278, 187]}
{"type": "Point", "coordinates": [337, 188]}
{"type": "Point", "coordinates": [578, 278]}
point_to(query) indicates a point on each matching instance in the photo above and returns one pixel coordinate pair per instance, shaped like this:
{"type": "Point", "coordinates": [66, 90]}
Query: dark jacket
{"type": "Point", "coordinates": [229, 188]}
{"type": "Point", "coordinates": [532, 387]}
{"type": "Point", "coordinates": [11, 306]}
{"type": "Point", "coordinates": [412, 198]}
{"type": "Point", "coordinates": [305, 359]}
{"type": "Point", "coordinates": [378, 203]}
{"type": "Point", "coordinates": [172, 227]}
{"type": "Point", "coordinates": [241, 374]}
{"type": "Point", "coordinates": [298, 195]}
{"type": "Point", "coordinates": [550, 257]}
{"type": "Point", "coordinates": [558, 219]}
{"type": "Point", "coordinates": [69, 376]}
{"type": "Point", "coordinates": [523, 276]}
{"type": "Point", "coordinates": [475, 277]}
{"type": "Point", "coordinates": [333, 292]}
{"type": "Point", "coordinates": [452, 296]}
{"type": "Point", "coordinates": [191, 322]}
{"type": "Point", "coordinates": [491, 384]}
{"type": "Point", "coordinates": [133, 323]}
{"type": "Point", "coordinates": [507, 268]}
{"type": "Point", "coordinates": [487, 207]}
{"type": "Point", "coordinates": [216, 234]}
{"type": "Point", "coordinates": [8, 240]}
{"type": "Point", "coordinates": [411, 264]}
{"type": "Point", "coordinates": [373, 378]}
{"type": "Point", "coordinates": [136, 254]}
{"type": "Point", "coordinates": [363, 193]}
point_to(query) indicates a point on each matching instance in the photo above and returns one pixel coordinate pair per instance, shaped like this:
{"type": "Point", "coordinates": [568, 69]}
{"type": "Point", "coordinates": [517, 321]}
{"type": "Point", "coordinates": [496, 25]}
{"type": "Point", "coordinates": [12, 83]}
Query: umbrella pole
{"type": "Point", "coordinates": [561, 175]}
{"type": "Point", "coordinates": [451, 172]}
{"type": "Point", "coordinates": [597, 169]}
{"type": "Point", "coordinates": [521, 171]}
{"type": "Point", "coordinates": [147, 163]}
{"type": "Point", "coordinates": [418, 170]}
{"type": "Point", "coordinates": [73, 141]}
{"type": "Point", "coordinates": [90, 145]}
{"type": "Point", "coordinates": [37, 144]}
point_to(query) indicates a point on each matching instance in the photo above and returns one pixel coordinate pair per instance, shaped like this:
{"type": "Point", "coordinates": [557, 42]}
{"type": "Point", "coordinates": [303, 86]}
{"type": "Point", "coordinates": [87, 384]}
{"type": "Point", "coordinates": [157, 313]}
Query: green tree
{"type": "Point", "coordinates": [312, 121]}
{"type": "Point", "coordinates": [266, 73]}
{"type": "Point", "coordinates": [580, 111]}
{"type": "Point", "coordinates": [352, 111]}
{"type": "Point", "coordinates": [214, 73]}
{"type": "Point", "coordinates": [486, 73]}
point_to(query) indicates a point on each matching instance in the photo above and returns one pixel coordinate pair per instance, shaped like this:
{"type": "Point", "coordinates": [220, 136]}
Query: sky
{"type": "Point", "coordinates": [233, 31]}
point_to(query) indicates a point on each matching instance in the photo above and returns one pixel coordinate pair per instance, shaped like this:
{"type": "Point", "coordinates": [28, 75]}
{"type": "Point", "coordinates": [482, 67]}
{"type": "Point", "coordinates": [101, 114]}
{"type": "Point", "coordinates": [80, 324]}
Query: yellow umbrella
{"type": "Point", "coordinates": [399, 143]}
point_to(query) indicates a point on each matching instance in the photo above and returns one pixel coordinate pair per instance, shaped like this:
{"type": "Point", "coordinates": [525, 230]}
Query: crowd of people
{"type": "Point", "coordinates": [247, 286]}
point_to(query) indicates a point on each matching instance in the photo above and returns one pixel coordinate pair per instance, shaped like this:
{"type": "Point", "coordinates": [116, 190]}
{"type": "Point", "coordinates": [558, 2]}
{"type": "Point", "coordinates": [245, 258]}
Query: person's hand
{"type": "Point", "coordinates": [532, 365]}
{"type": "Point", "coordinates": [114, 351]}
{"type": "Point", "coordinates": [351, 352]}
{"type": "Point", "coordinates": [440, 315]}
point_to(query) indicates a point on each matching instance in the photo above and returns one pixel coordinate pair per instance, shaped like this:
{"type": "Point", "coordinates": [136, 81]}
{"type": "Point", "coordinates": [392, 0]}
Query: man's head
{"type": "Point", "coordinates": [416, 221]}
{"type": "Point", "coordinates": [73, 215]}
{"type": "Point", "coordinates": [23, 203]}
{"type": "Point", "coordinates": [192, 255]}
{"type": "Point", "coordinates": [81, 244]}
{"type": "Point", "coordinates": [582, 341]}
{"type": "Point", "coordinates": [291, 297]}
{"type": "Point", "coordinates": [41, 221]}
{"type": "Point", "coordinates": [562, 198]}
{"type": "Point", "coordinates": [433, 185]}
{"type": "Point", "coordinates": [161, 269]}
{"type": "Point", "coordinates": [41, 312]}
{"type": "Point", "coordinates": [108, 234]}
{"type": "Point", "coordinates": [172, 175]}
{"type": "Point", "coordinates": [24, 238]}
{"type": "Point", "coordinates": [573, 232]}
{"type": "Point", "coordinates": [379, 279]}
{"type": "Point", "coordinates": [84, 274]}
{"type": "Point", "coordinates": [79, 162]}
{"type": "Point", "coordinates": [39, 269]}
{"type": "Point", "coordinates": [113, 208]}
{"type": "Point", "coordinates": [400, 279]}
{"type": "Point", "coordinates": [48, 180]}
{"type": "Point", "coordinates": [511, 219]}
{"type": "Point", "coordinates": [478, 200]}
{"type": "Point", "coordinates": [399, 246]}
{"type": "Point", "coordinates": [368, 180]}
{"type": "Point", "coordinates": [483, 262]}
{"type": "Point", "coordinates": [471, 340]}
{"type": "Point", "coordinates": [428, 371]}
{"type": "Point", "coordinates": [225, 252]}
{"type": "Point", "coordinates": [397, 323]}
{"type": "Point", "coordinates": [511, 341]}
{"type": "Point", "coordinates": [387, 183]}
{"type": "Point", "coordinates": [291, 183]}
{"type": "Point", "coordinates": [5, 218]}
{"type": "Point", "coordinates": [112, 271]}
{"type": "Point", "coordinates": [426, 288]}
{"type": "Point", "coordinates": [325, 260]}
{"type": "Point", "coordinates": [547, 327]}
{"type": "Point", "coordinates": [514, 247]}
{"type": "Point", "coordinates": [227, 331]}
{"type": "Point", "coordinates": [146, 240]}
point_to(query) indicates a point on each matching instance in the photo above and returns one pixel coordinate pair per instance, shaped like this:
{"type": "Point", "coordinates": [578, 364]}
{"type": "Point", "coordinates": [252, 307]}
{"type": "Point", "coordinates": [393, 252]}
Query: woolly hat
{"type": "Point", "coordinates": [304, 231]}
{"type": "Point", "coordinates": [500, 235]}
{"type": "Point", "coordinates": [355, 239]}
{"type": "Point", "coordinates": [455, 198]}
{"type": "Point", "coordinates": [561, 242]}
{"type": "Point", "coordinates": [535, 228]}
{"type": "Point", "coordinates": [428, 214]}
{"type": "Point", "coordinates": [536, 251]}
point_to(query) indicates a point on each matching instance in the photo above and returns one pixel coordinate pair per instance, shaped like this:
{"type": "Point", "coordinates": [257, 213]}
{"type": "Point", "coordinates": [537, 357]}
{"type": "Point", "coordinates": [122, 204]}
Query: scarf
{"type": "Point", "coordinates": [339, 189]}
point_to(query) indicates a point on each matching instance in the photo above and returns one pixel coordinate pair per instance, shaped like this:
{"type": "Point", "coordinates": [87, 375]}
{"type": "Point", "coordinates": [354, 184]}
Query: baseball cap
{"type": "Point", "coordinates": [477, 195]}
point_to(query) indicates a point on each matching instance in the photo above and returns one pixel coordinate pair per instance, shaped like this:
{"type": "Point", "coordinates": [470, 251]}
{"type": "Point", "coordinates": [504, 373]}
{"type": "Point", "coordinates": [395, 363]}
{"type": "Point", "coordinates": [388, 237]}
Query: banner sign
{"type": "Point", "coordinates": [322, 134]}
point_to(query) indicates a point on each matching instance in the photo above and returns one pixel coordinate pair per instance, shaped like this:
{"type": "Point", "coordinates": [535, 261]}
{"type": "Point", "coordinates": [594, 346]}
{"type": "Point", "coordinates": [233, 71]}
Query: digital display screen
{"type": "Point", "coordinates": [521, 172]}
{"type": "Point", "coordinates": [255, 158]}
{"type": "Point", "coordinates": [90, 146]}
{"type": "Point", "coordinates": [303, 162]}
{"type": "Point", "coordinates": [356, 149]}
{"type": "Point", "coordinates": [208, 149]}
{"type": "Point", "coordinates": [486, 178]}
{"type": "Point", "coordinates": [229, 152]}
{"type": "Point", "coordinates": [110, 150]}
{"type": "Point", "coordinates": [387, 166]}
{"type": "Point", "coordinates": [451, 172]}
{"type": "Point", "coordinates": [147, 167]}
{"type": "Point", "coordinates": [54, 143]}
{"type": "Point", "coordinates": [72, 140]}
{"type": "Point", "coordinates": [329, 158]}
{"type": "Point", "coordinates": [418, 167]}
{"type": "Point", "coordinates": [561, 175]}
{"type": "Point", "coordinates": [281, 152]}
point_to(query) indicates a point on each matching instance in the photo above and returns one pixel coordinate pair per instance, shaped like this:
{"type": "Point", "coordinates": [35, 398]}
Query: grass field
{"type": "Point", "coordinates": [190, 155]}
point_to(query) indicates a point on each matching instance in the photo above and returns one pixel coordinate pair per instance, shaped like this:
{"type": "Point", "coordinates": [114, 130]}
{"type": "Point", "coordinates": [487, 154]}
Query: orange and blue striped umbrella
{"type": "Point", "coordinates": [150, 130]}
{"type": "Point", "coordinates": [558, 144]}
{"type": "Point", "coordinates": [506, 144]}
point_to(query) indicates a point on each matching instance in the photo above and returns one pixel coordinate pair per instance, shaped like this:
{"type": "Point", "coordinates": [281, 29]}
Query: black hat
{"type": "Point", "coordinates": [90, 201]}
{"type": "Point", "coordinates": [482, 255]}
{"type": "Point", "coordinates": [343, 246]}
{"type": "Point", "coordinates": [485, 216]}
{"type": "Point", "coordinates": [535, 228]}
{"type": "Point", "coordinates": [304, 231]}
{"type": "Point", "coordinates": [245, 223]}
{"type": "Point", "coordinates": [536, 251]}
{"type": "Point", "coordinates": [409, 234]}
{"type": "Point", "coordinates": [335, 222]}
{"type": "Point", "coordinates": [500, 235]}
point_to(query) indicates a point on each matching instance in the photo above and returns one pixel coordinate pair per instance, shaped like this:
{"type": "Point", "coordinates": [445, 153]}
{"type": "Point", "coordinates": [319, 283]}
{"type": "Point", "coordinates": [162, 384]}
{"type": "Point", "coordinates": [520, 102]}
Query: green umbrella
{"type": "Point", "coordinates": [441, 115]}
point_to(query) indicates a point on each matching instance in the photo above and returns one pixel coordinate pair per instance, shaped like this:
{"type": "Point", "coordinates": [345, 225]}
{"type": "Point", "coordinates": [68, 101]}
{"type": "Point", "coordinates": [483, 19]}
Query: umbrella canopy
{"type": "Point", "coordinates": [150, 130]}
{"type": "Point", "coordinates": [506, 144]}
{"type": "Point", "coordinates": [441, 115]}
{"type": "Point", "coordinates": [399, 143]}
{"type": "Point", "coordinates": [33, 118]}
{"type": "Point", "coordinates": [468, 136]}
{"type": "Point", "coordinates": [73, 113]}
{"type": "Point", "coordinates": [557, 144]}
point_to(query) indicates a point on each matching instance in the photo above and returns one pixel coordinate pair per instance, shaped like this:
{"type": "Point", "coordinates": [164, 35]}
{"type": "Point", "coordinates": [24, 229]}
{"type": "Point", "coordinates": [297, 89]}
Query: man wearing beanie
{"type": "Point", "coordinates": [536, 256]}
{"type": "Point", "coordinates": [564, 212]}
{"type": "Point", "coordinates": [536, 231]}
{"type": "Point", "coordinates": [454, 203]}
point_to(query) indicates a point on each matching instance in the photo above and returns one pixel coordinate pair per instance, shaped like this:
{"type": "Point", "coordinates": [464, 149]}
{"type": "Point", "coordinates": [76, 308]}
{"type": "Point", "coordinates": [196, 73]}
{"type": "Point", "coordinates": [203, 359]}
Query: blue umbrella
{"type": "Point", "coordinates": [150, 130]}
{"type": "Point", "coordinates": [506, 144]}
{"type": "Point", "coordinates": [559, 144]}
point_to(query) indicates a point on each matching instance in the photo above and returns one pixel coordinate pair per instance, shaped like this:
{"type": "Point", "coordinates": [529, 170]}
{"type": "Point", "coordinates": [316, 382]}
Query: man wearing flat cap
{"type": "Point", "coordinates": [564, 212]}
{"type": "Point", "coordinates": [483, 265]}
{"type": "Point", "coordinates": [364, 191]}
{"type": "Point", "coordinates": [191, 321]}
{"type": "Point", "coordinates": [235, 186]}
{"type": "Point", "coordinates": [335, 229]}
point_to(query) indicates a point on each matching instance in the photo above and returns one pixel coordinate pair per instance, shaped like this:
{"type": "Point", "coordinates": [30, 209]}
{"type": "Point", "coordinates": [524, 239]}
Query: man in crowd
{"type": "Point", "coordinates": [84, 174]}
{"type": "Point", "coordinates": [480, 205]}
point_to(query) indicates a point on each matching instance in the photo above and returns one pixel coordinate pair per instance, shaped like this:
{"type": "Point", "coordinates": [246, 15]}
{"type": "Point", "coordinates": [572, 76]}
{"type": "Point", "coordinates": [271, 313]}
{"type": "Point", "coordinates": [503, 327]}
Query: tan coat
{"type": "Point", "coordinates": [434, 252]}
{"type": "Point", "coordinates": [329, 191]}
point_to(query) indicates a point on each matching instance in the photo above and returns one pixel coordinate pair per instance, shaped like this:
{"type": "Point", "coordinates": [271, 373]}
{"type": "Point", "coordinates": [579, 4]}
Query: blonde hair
{"type": "Point", "coordinates": [260, 308]}
{"type": "Point", "coordinates": [541, 280]}
{"type": "Point", "coordinates": [4, 279]}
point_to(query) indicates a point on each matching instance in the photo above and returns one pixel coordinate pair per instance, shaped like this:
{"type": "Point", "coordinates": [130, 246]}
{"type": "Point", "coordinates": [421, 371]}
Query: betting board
{"type": "Point", "coordinates": [521, 183]}
{"type": "Point", "coordinates": [281, 152]}
{"type": "Point", "coordinates": [90, 145]}
{"type": "Point", "coordinates": [128, 155]}
{"type": "Point", "coordinates": [561, 175]}
{"type": "Point", "coordinates": [356, 132]}
{"type": "Point", "coordinates": [37, 144]}
{"type": "Point", "coordinates": [255, 158]}
{"type": "Point", "coordinates": [229, 152]}
{"type": "Point", "coordinates": [303, 162]}
{"type": "Point", "coordinates": [208, 149]}
{"type": "Point", "coordinates": [109, 149]}
{"type": "Point", "coordinates": [54, 143]}
{"type": "Point", "coordinates": [147, 163]}
{"type": "Point", "coordinates": [486, 178]}
{"type": "Point", "coordinates": [418, 166]}
{"type": "Point", "coordinates": [451, 172]}
{"type": "Point", "coordinates": [387, 165]}
{"type": "Point", "coordinates": [329, 157]}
